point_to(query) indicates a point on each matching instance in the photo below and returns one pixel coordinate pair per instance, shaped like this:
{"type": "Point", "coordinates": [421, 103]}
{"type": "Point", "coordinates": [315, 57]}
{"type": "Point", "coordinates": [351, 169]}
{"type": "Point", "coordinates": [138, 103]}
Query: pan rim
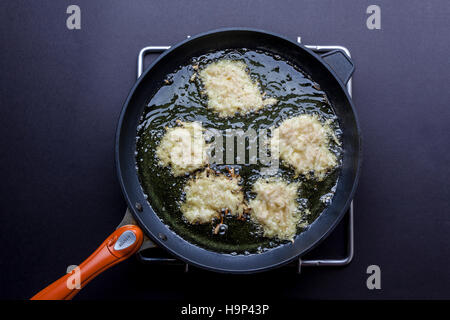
{"type": "Point", "coordinates": [182, 242]}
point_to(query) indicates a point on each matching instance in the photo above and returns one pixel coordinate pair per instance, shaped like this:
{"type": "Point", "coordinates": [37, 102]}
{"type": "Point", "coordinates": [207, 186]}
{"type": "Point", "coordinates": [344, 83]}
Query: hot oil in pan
{"type": "Point", "coordinates": [179, 98]}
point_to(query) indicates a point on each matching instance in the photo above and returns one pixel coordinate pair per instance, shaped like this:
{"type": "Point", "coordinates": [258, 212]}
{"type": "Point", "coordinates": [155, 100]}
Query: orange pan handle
{"type": "Point", "coordinates": [120, 245]}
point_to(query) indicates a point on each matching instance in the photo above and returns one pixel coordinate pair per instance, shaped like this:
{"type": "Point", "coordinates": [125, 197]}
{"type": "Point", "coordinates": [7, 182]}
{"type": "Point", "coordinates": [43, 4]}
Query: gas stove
{"type": "Point", "coordinates": [158, 256]}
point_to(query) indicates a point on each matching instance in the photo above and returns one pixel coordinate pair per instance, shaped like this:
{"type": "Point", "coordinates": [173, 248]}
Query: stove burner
{"type": "Point", "coordinates": [157, 255]}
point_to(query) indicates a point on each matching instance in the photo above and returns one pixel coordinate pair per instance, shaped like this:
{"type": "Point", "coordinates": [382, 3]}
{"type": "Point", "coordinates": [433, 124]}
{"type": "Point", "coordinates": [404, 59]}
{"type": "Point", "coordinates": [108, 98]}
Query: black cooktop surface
{"type": "Point", "coordinates": [62, 91]}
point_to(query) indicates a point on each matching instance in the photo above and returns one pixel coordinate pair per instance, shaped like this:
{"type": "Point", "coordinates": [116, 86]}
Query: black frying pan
{"type": "Point", "coordinates": [331, 71]}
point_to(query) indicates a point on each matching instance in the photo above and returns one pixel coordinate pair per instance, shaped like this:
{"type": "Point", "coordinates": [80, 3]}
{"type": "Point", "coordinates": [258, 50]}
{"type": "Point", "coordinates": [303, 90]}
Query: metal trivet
{"type": "Point", "coordinates": [300, 263]}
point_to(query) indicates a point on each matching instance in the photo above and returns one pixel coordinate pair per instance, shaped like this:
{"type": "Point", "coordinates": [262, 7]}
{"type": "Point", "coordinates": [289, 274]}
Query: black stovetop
{"type": "Point", "coordinates": [62, 91]}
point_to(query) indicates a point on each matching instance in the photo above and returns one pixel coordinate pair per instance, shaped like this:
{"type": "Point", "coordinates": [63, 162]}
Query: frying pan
{"type": "Point", "coordinates": [331, 70]}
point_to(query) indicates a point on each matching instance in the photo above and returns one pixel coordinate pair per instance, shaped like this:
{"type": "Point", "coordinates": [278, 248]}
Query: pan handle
{"type": "Point", "coordinates": [120, 245]}
{"type": "Point", "coordinates": [341, 64]}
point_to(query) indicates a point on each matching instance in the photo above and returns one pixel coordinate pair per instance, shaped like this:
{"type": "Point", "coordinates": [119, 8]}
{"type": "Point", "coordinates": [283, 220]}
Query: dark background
{"type": "Point", "coordinates": [62, 91]}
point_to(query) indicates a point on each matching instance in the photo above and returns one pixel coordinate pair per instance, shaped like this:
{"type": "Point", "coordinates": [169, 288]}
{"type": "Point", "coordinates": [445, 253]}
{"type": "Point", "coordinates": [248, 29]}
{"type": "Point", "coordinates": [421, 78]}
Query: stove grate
{"type": "Point", "coordinates": [162, 258]}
